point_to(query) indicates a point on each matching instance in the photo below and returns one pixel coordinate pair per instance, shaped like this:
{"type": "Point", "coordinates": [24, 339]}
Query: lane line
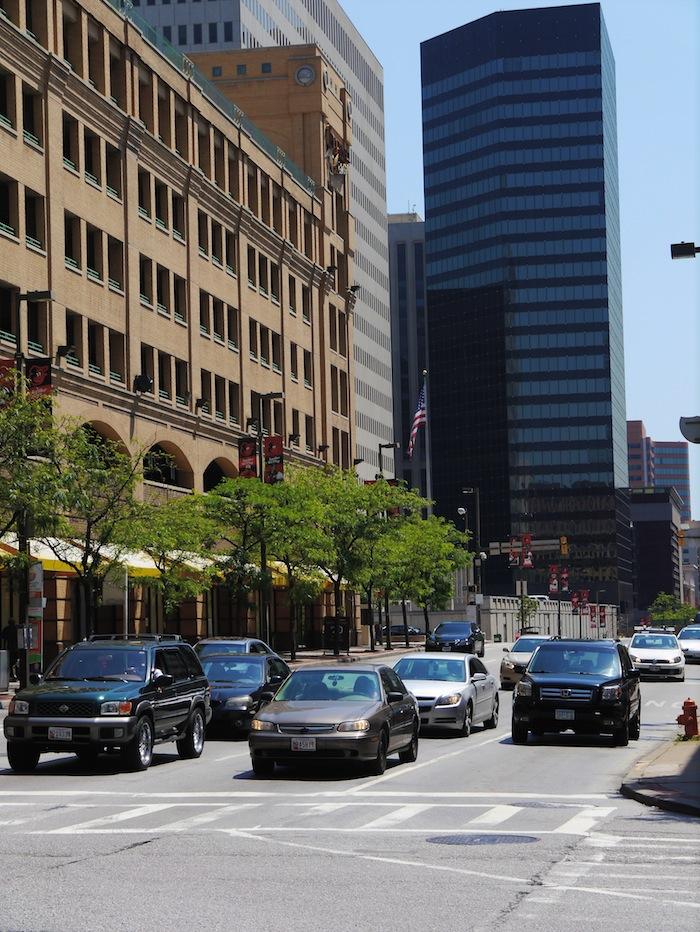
{"type": "Point", "coordinates": [316, 794]}
{"type": "Point", "coordinates": [103, 821]}
{"type": "Point", "coordinates": [246, 753]}
{"type": "Point", "coordinates": [395, 817]}
{"type": "Point", "coordinates": [496, 815]}
{"type": "Point", "coordinates": [584, 821]}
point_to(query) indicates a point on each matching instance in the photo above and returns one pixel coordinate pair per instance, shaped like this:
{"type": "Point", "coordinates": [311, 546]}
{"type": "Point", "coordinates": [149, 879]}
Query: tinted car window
{"type": "Point", "coordinates": [477, 666]}
{"type": "Point", "coordinates": [220, 648]}
{"type": "Point", "coordinates": [192, 665]}
{"type": "Point", "coordinates": [526, 645]}
{"type": "Point", "coordinates": [559, 657]}
{"type": "Point", "coordinates": [431, 668]}
{"type": "Point", "coordinates": [100, 664]}
{"type": "Point", "coordinates": [625, 659]}
{"type": "Point", "coordinates": [314, 685]}
{"type": "Point", "coordinates": [232, 670]}
{"type": "Point", "coordinates": [396, 683]}
{"type": "Point", "coordinates": [690, 634]}
{"type": "Point", "coordinates": [654, 641]}
{"type": "Point", "coordinates": [454, 627]}
{"type": "Point", "coordinates": [278, 668]}
{"type": "Point", "coordinates": [174, 664]}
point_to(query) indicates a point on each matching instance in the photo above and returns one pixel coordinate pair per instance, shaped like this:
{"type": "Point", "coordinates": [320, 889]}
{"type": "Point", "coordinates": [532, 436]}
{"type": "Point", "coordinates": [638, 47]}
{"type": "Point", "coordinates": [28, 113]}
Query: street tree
{"type": "Point", "coordinates": [670, 610]}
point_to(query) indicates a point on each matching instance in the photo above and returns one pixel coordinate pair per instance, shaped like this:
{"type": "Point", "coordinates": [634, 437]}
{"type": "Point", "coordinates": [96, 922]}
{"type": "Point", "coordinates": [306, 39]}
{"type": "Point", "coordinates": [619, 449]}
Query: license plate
{"type": "Point", "coordinates": [564, 715]}
{"type": "Point", "coordinates": [60, 734]}
{"type": "Point", "coordinates": [654, 668]}
{"type": "Point", "coordinates": [303, 744]}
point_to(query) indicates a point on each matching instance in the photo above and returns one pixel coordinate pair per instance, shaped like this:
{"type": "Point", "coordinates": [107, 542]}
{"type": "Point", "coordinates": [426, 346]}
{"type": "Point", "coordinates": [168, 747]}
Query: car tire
{"type": "Point", "coordinates": [493, 721]}
{"type": "Point", "coordinates": [262, 766]}
{"type": "Point", "coordinates": [138, 753]}
{"type": "Point", "coordinates": [466, 728]}
{"type": "Point", "coordinates": [22, 758]}
{"type": "Point", "coordinates": [635, 728]}
{"type": "Point", "coordinates": [621, 735]}
{"type": "Point", "coordinates": [192, 744]}
{"type": "Point", "coordinates": [378, 765]}
{"type": "Point", "coordinates": [410, 753]}
{"type": "Point", "coordinates": [518, 734]}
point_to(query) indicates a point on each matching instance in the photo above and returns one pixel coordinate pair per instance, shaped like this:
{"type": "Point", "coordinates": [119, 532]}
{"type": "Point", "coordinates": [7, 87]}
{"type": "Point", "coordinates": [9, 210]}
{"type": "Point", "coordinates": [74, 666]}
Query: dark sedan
{"type": "Point", "coordinates": [463, 636]}
{"type": "Point", "coordinates": [329, 713]}
{"type": "Point", "coordinates": [237, 683]}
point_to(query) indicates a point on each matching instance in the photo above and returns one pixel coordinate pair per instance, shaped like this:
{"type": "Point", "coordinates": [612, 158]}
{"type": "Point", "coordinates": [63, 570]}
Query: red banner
{"type": "Point", "coordinates": [526, 556]}
{"type": "Point", "coordinates": [39, 377]}
{"type": "Point", "coordinates": [564, 577]}
{"type": "Point", "coordinates": [274, 459]}
{"type": "Point", "coordinates": [247, 458]}
{"type": "Point", "coordinates": [584, 597]}
{"type": "Point", "coordinates": [553, 580]}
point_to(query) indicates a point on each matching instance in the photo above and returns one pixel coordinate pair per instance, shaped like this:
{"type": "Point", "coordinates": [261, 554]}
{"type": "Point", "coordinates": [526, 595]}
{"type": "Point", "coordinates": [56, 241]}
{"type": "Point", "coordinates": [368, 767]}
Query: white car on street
{"type": "Point", "coordinates": [452, 692]}
{"type": "Point", "coordinates": [689, 639]}
{"type": "Point", "coordinates": [657, 653]}
{"type": "Point", "coordinates": [518, 657]}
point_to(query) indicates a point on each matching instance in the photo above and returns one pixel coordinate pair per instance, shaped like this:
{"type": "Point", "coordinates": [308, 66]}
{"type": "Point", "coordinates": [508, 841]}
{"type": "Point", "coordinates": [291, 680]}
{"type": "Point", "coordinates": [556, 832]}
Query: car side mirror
{"type": "Point", "coordinates": [505, 650]}
{"type": "Point", "coordinates": [163, 681]}
{"type": "Point", "coordinates": [395, 696]}
{"type": "Point", "coordinates": [478, 677]}
{"type": "Point", "coordinates": [36, 678]}
{"type": "Point", "coordinates": [267, 696]}
{"type": "Point", "coordinates": [276, 679]}
{"type": "Point", "coordinates": [635, 675]}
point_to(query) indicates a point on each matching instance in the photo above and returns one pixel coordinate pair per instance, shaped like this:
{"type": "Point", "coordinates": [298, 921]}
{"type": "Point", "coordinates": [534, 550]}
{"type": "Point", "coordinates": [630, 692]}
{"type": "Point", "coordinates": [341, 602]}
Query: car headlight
{"type": "Point", "coordinates": [361, 725]}
{"type": "Point", "coordinates": [452, 699]}
{"type": "Point", "coordinates": [238, 702]}
{"type": "Point", "coordinates": [259, 724]}
{"type": "Point", "coordinates": [115, 708]}
{"type": "Point", "coordinates": [634, 658]}
{"type": "Point", "coordinates": [677, 659]}
{"type": "Point", "coordinates": [611, 692]}
{"type": "Point", "coordinates": [523, 688]}
{"type": "Point", "coordinates": [18, 707]}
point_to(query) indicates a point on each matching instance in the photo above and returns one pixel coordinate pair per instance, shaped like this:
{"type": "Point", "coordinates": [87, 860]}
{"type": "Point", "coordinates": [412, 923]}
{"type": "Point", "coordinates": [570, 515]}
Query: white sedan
{"type": "Point", "coordinates": [689, 639]}
{"type": "Point", "coordinates": [452, 692]}
{"type": "Point", "coordinates": [657, 654]}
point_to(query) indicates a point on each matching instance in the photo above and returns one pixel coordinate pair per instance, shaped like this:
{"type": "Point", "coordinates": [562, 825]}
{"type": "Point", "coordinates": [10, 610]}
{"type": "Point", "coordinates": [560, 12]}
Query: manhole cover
{"type": "Point", "coordinates": [482, 839]}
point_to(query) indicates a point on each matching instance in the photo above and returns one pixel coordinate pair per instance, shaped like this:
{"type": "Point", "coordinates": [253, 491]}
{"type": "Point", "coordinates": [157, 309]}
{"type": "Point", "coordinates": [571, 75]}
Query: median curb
{"type": "Point", "coordinates": [669, 778]}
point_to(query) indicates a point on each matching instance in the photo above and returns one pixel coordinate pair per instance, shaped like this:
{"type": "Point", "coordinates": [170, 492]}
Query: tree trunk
{"type": "Point", "coordinates": [405, 621]}
{"type": "Point", "coordinates": [427, 621]}
{"type": "Point", "coordinates": [293, 628]}
{"type": "Point", "coordinates": [388, 619]}
{"type": "Point", "coordinates": [370, 613]}
{"type": "Point", "coordinates": [336, 635]}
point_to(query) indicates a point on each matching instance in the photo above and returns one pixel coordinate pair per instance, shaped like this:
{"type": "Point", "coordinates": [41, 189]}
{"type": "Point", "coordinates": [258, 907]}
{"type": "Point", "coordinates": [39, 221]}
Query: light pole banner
{"type": "Point", "coordinates": [247, 458]}
{"type": "Point", "coordinates": [273, 452]}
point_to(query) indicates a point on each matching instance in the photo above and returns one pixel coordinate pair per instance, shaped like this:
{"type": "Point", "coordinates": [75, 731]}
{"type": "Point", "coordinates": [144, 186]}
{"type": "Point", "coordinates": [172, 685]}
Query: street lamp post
{"type": "Point", "coordinates": [474, 490]}
{"type": "Point", "coordinates": [264, 602]}
{"type": "Point", "coordinates": [394, 445]}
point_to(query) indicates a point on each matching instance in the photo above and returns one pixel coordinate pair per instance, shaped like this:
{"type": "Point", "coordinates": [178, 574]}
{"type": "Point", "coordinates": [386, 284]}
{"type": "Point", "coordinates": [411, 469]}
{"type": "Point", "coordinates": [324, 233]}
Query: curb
{"type": "Point", "coordinates": [660, 802]}
{"type": "Point", "coordinates": [649, 790]}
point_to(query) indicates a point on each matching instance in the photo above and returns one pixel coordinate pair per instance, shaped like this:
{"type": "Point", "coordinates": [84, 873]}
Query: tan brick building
{"type": "Point", "coordinates": [177, 241]}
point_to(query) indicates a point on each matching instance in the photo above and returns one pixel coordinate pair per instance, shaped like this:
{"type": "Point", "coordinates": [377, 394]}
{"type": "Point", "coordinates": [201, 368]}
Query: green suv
{"type": "Point", "coordinates": [111, 694]}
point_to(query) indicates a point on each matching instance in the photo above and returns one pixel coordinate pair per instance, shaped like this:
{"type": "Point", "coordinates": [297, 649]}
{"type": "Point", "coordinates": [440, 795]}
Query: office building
{"type": "Point", "coordinates": [408, 340]}
{"type": "Point", "coordinates": [252, 24]}
{"type": "Point", "coordinates": [656, 524]}
{"type": "Point", "coordinates": [523, 288]}
{"type": "Point", "coordinates": [658, 464]}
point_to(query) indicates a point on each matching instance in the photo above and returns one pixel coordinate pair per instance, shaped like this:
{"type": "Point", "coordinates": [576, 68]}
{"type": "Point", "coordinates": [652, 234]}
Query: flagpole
{"type": "Point", "coordinates": [428, 453]}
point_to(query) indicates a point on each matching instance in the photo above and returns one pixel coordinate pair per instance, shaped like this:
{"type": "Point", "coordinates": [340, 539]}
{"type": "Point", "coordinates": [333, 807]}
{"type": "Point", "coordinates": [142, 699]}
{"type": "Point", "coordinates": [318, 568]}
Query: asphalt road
{"type": "Point", "coordinates": [478, 834]}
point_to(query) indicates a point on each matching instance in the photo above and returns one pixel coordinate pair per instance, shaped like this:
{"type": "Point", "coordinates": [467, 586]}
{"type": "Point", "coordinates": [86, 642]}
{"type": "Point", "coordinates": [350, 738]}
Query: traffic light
{"type": "Point", "coordinates": [681, 538]}
{"type": "Point", "coordinates": [564, 546]}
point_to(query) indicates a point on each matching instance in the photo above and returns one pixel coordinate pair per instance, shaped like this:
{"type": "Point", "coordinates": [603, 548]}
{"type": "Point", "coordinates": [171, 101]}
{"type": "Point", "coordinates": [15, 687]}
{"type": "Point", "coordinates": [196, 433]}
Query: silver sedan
{"type": "Point", "coordinates": [452, 692]}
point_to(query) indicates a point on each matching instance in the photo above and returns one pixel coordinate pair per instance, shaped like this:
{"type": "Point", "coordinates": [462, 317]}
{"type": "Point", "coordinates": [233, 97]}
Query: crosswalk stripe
{"type": "Point", "coordinates": [104, 821]}
{"type": "Point", "coordinates": [183, 825]}
{"type": "Point", "coordinates": [396, 816]}
{"type": "Point", "coordinates": [584, 821]}
{"type": "Point", "coordinates": [495, 815]}
{"type": "Point", "coordinates": [323, 808]}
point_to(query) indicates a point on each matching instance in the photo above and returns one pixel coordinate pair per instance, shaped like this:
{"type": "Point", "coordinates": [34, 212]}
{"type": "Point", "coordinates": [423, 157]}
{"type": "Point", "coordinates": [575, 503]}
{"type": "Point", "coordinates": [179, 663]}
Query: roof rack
{"type": "Point", "coordinates": [135, 637]}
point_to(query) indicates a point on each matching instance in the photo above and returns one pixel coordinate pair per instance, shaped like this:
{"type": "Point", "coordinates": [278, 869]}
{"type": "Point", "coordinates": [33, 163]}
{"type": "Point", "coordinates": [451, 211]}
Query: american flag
{"type": "Point", "coordinates": [419, 420]}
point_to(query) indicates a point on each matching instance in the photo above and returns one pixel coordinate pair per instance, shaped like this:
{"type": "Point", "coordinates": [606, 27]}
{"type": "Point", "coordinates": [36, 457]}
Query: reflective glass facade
{"type": "Point", "coordinates": [523, 284]}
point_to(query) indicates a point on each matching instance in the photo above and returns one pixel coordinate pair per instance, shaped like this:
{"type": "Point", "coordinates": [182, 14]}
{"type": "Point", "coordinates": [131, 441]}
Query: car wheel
{"type": "Point", "coordinates": [518, 734]}
{"type": "Point", "coordinates": [262, 767]}
{"type": "Point", "coordinates": [138, 753]}
{"type": "Point", "coordinates": [192, 745]}
{"type": "Point", "coordinates": [493, 721]}
{"type": "Point", "coordinates": [410, 753]}
{"type": "Point", "coordinates": [635, 727]}
{"type": "Point", "coordinates": [23, 758]}
{"type": "Point", "coordinates": [621, 735]}
{"type": "Point", "coordinates": [466, 728]}
{"type": "Point", "coordinates": [379, 763]}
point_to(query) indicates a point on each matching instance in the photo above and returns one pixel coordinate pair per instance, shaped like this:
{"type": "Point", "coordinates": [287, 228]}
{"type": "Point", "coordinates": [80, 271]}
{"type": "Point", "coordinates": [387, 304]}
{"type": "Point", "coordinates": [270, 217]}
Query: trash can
{"type": "Point", "coordinates": [497, 639]}
{"type": "Point", "coordinates": [4, 671]}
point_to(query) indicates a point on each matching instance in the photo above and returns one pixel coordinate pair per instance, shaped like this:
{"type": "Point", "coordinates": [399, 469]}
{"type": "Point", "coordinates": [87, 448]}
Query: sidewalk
{"type": "Point", "coordinates": [357, 654]}
{"type": "Point", "coordinates": [669, 777]}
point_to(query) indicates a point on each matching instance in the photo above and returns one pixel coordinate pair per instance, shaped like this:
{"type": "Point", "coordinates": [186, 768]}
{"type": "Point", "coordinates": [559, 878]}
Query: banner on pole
{"type": "Point", "coordinates": [39, 377]}
{"type": "Point", "coordinates": [247, 458]}
{"type": "Point", "coordinates": [273, 453]}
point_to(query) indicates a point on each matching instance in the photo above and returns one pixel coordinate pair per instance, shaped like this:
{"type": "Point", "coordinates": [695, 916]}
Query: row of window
{"type": "Point", "coordinates": [507, 134]}
{"type": "Point", "coordinates": [510, 158]}
{"type": "Point", "coordinates": [511, 227]}
{"type": "Point", "coordinates": [26, 114]}
{"type": "Point", "coordinates": [528, 180]}
{"type": "Point", "coordinates": [100, 347]}
{"type": "Point", "coordinates": [559, 387]}
{"type": "Point", "coordinates": [559, 434]}
{"type": "Point", "coordinates": [555, 363]}
{"type": "Point", "coordinates": [555, 248]}
{"type": "Point", "coordinates": [558, 201]}
{"type": "Point", "coordinates": [582, 457]}
{"type": "Point", "coordinates": [557, 318]}
{"type": "Point", "coordinates": [438, 272]}
{"type": "Point", "coordinates": [558, 293]}
{"type": "Point", "coordinates": [32, 220]}
{"type": "Point", "coordinates": [556, 340]}
{"type": "Point", "coordinates": [565, 480]}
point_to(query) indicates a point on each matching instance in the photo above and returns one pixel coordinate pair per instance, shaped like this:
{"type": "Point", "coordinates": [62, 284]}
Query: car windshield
{"type": "Point", "coordinates": [105, 663]}
{"type": "Point", "coordinates": [314, 685]}
{"type": "Point", "coordinates": [525, 645]}
{"type": "Point", "coordinates": [233, 672]}
{"type": "Point", "coordinates": [454, 627]}
{"type": "Point", "coordinates": [654, 641]}
{"type": "Point", "coordinates": [556, 657]}
{"type": "Point", "coordinates": [233, 647]}
{"type": "Point", "coordinates": [689, 634]}
{"type": "Point", "coordinates": [426, 668]}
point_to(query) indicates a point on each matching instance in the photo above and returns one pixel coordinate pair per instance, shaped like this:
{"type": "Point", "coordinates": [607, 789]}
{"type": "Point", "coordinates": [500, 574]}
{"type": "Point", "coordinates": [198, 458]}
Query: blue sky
{"type": "Point", "coordinates": [656, 44]}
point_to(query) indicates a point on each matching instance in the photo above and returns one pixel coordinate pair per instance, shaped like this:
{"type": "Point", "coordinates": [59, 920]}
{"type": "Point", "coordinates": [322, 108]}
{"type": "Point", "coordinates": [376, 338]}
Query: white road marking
{"type": "Point", "coordinates": [204, 818]}
{"type": "Point", "coordinates": [496, 815]}
{"type": "Point", "coordinates": [245, 753]}
{"type": "Point", "coordinates": [396, 816]}
{"type": "Point", "coordinates": [322, 808]}
{"type": "Point", "coordinates": [102, 822]}
{"type": "Point", "coordinates": [584, 821]}
{"type": "Point", "coordinates": [316, 794]}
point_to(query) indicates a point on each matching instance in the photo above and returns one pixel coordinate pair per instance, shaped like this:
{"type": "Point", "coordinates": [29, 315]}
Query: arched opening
{"type": "Point", "coordinates": [98, 430]}
{"type": "Point", "coordinates": [167, 464]}
{"type": "Point", "coordinates": [216, 471]}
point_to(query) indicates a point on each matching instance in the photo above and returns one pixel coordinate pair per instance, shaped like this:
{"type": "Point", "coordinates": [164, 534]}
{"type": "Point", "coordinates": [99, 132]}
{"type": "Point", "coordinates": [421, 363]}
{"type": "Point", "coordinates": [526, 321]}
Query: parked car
{"type": "Point", "coordinates": [231, 646]}
{"type": "Point", "coordinates": [657, 653]}
{"type": "Point", "coordinates": [125, 694]}
{"type": "Point", "coordinates": [397, 631]}
{"type": "Point", "coordinates": [590, 687]}
{"type": "Point", "coordinates": [237, 683]}
{"type": "Point", "coordinates": [329, 713]}
{"type": "Point", "coordinates": [463, 636]}
{"type": "Point", "coordinates": [452, 692]}
{"type": "Point", "coordinates": [517, 658]}
{"type": "Point", "coordinates": [689, 640]}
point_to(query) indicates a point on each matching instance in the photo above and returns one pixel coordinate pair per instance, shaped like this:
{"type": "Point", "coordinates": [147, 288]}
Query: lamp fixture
{"type": "Point", "coordinates": [199, 404]}
{"type": "Point", "coordinates": [322, 447]}
{"type": "Point", "coordinates": [63, 351]}
{"type": "Point", "coordinates": [354, 288]}
{"type": "Point", "coordinates": [293, 439]}
{"type": "Point", "coordinates": [143, 383]}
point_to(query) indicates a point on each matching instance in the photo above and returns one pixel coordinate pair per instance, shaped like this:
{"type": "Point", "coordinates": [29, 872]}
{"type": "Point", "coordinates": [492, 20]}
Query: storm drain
{"type": "Point", "coordinates": [482, 839]}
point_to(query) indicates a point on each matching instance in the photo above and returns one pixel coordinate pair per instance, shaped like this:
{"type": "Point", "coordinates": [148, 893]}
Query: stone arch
{"type": "Point", "coordinates": [165, 462]}
{"type": "Point", "coordinates": [218, 469]}
{"type": "Point", "coordinates": [107, 432]}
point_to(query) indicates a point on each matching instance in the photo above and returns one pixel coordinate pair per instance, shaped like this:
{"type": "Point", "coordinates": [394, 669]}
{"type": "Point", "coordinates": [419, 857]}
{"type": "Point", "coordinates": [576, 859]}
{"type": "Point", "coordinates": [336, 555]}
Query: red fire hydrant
{"type": "Point", "coordinates": [689, 718]}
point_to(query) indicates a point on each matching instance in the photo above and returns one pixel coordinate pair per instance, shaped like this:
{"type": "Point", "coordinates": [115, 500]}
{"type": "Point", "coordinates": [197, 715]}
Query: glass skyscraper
{"type": "Point", "coordinates": [527, 390]}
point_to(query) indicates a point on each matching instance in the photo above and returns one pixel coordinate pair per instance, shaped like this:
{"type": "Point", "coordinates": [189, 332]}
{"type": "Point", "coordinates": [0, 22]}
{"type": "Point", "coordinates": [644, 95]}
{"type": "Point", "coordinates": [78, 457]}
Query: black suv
{"type": "Point", "coordinates": [463, 636]}
{"type": "Point", "coordinates": [590, 687]}
{"type": "Point", "coordinates": [125, 694]}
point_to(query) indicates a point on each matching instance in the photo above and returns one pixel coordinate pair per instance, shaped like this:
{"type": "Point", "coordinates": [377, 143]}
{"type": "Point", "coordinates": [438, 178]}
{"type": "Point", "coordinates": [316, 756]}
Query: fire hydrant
{"type": "Point", "coordinates": [689, 718]}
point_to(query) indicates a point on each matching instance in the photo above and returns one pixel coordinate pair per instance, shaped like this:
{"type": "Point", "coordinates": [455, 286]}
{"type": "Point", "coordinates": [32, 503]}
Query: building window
{"type": "Point", "coordinates": [216, 71]}
{"type": "Point", "coordinates": [204, 313]}
{"type": "Point", "coordinates": [96, 349]}
{"type": "Point", "coordinates": [164, 377]}
{"type": "Point", "coordinates": [264, 346]}
{"type": "Point", "coordinates": [251, 267]}
{"type": "Point", "coordinates": [308, 371]}
{"type": "Point", "coordinates": [276, 352]}
{"type": "Point", "coordinates": [292, 295]}
{"type": "Point", "coordinates": [294, 362]}
{"type": "Point", "coordinates": [306, 303]}
{"type": "Point", "coordinates": [266, 67]}
{"type": "Point", "coordinates": [146, 281]}
{"type": "Point", "coordinates": [71, 239]}
{"type": "Point", "coordinates": [234, 402]}
{"type": "Point", "coordinates": [253, 339]}
{"type": "Point", "coordinates": [309, 431]}
{"type": "Point", "coordinates": [241, 69]}
{"type": "Point", "coordinates": [114, 171]}
{"type": "Point", "coordinates": [74, 338]}
{"type": "Point", "coordinates": [147, 364]}
{"type": "Point", "coordinates": [180, 299]}
{"type": "Point", "coordinates": [70, 142]}
{"type": "Point", "coordinates": [182, 35]}
{"type": "Point", "coordinates": [213, 32]}
{"type": "Point", "coordinates": [233, 324]}
{"type": "Point", "coordinates": [197, 34]}
{"type": "Point", "coordinates": [168, 30]}
{"type": "Point", "coordinates": [182, 382]}
{"type": "Point", "coordinates": [228, 31]}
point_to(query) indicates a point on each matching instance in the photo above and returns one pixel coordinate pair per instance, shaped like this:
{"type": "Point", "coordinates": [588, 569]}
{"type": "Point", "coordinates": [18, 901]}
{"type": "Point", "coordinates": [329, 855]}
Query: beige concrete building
{"type": "Point", "coordinates": [192, 265]}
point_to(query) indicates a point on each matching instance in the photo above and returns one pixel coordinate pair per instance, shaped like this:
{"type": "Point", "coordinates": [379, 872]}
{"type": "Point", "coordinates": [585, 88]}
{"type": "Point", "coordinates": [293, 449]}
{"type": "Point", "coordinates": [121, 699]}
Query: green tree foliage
{"type": "Point", "coordinates": [669, 609]}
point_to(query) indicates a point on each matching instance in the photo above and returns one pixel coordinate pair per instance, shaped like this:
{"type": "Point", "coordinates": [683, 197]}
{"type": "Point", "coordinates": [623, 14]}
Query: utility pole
{"type": "Point", "coordinates": [264, 601]}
